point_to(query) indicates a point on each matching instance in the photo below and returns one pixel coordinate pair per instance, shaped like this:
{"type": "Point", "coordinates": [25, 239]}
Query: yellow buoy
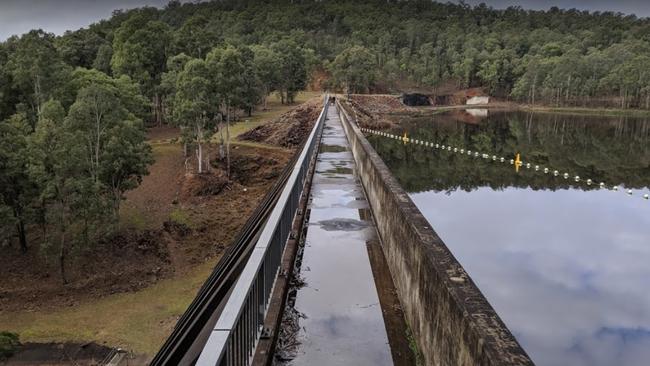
{"type": "Point", "coordinates": [518, 162]}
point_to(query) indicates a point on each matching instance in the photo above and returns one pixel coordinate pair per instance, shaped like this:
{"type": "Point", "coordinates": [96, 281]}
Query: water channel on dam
{"type": "Point", "coordinates": [565, 264]}
{"type": "Point", "coordinates": [343, 307]}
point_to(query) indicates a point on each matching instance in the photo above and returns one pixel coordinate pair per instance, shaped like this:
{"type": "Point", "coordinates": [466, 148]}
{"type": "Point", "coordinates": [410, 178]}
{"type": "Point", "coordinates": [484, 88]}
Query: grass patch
{"type": "Point", "coordinates": [139, 321]}
{"type": "Point", "coordinates": [165, 149]}
{"type": "Point", "coordinates": [180, 217]}
{"type": "Point", "coordinates": [9, 342]}
{"type": "Point", "coordinates": [133, 218]}
{"type": "Point", "coordinates": [419, 359]}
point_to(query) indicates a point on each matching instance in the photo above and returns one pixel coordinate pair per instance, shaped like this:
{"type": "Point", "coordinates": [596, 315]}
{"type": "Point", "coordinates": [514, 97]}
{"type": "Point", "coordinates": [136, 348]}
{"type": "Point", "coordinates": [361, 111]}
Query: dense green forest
{"type": "Point", "coordinates": [73, 107]}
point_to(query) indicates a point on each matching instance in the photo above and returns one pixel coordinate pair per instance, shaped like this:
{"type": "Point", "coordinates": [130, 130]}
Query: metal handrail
{"type": "Point", "coordinates": [235, 335]}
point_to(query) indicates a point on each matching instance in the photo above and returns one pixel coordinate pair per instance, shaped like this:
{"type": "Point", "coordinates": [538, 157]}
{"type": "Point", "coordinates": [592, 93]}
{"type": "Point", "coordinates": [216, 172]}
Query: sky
{"type": "Point", "coordinates": [57, 16]}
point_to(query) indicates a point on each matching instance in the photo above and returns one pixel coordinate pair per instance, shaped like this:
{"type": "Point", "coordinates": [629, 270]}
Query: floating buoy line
{"type": "Point", "coordinates": [517, 162]}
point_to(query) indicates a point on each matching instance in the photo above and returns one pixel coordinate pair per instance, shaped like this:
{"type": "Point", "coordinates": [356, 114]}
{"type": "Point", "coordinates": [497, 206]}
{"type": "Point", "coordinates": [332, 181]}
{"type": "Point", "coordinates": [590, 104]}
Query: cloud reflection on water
{"type": "Point", "coordinates": [568, 271]}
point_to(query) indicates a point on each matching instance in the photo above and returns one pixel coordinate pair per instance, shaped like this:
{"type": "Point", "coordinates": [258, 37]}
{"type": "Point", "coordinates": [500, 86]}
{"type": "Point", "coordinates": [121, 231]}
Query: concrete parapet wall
{"type": "Point", "coordinates": [451, 321]}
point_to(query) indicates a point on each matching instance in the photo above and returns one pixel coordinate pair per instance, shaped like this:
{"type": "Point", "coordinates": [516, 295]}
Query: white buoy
{"type": "Point", "coordinates": [455, 149]}
{"type": "Point", "coordinates": [566, 175]}
{"type": "Point", "coordinates": [512, 161]}
{"type": "Point", "coordinates": [646, 196]}
{"type": "Point", "coordinates": [527, 165]}
{"type": "Point", "coordinates": [536, 167]}
{"type": "Point", "coordinates": [494, 157]}
{"type": "Point", "coordinates": [556, 173]}
{"type": "Point", "coordinates": [476, 154]}
{"type": "Point", "coordinates": [615, 188]}
{"type": "Point", "coordinates": [545, 170]}
{"type": "Point", "coordinates": [502, 159]}
{"type": "Point", "coordinates": [577, 178]}
{"type": "Point", "coordinates": [588, 182]}
{"type": "Point", "coordinates": [448, 148]}
{"type": "Point", "coordinates": [629, 191]}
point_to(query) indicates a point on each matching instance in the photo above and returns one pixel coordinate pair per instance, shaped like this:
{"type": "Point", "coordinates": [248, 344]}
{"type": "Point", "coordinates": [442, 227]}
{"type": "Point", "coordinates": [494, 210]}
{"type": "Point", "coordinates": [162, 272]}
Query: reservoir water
{"type": "Point", "coordinates": [566, 264]}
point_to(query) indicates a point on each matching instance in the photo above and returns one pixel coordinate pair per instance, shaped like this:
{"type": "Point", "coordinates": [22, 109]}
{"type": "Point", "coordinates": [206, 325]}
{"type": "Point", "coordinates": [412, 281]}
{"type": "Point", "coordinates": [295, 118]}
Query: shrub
{"type": "Point", "coordinates": [8, 344]}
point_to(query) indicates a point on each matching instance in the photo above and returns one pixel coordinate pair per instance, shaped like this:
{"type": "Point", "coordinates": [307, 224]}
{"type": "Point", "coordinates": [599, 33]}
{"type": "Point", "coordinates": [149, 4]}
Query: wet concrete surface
{"type": "Point", "coordinates": [337, 312]}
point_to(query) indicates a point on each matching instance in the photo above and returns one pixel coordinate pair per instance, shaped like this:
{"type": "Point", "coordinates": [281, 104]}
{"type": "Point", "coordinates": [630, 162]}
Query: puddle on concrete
{"type": "Point", "coordinates": [343, 224]}
{"type": "Point", "coordinates": [336, 314]}
{"type": "Point", "coordinates": [332, 148]}
{"type": "Point", "coordinates": [338, 170]}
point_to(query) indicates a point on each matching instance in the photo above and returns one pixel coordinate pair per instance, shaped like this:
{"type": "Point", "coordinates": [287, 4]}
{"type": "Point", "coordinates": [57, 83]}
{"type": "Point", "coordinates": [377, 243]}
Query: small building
{"type": "Point", "coordinates": [478, 100]}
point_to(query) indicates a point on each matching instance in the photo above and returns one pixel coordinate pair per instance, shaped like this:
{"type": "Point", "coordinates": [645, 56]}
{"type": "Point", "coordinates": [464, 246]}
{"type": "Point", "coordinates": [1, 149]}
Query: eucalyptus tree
{"type": "Point", "coordinates": [140, 50]}
{"type": "Point", "coordinates": [8, 97]}
{"type": "Point", "coordinates": [354, 69]}
{"type": "Point", "coordinates": [36, 70]}
{"type": "Point", "coordinates": [83, 163]}
{"type": "Point", "coordinates": [175, 66]}
{"type": "Point", "coordinates": [293, 72]}
{"type": "Point", "coordinates": [195, 104]}
{"type": "Point", "coordinates": [59, 165]}
{"type": "Point", "coordinates": [17, 190]}
{"type": "Point", "coordinates": [252, 89]}
{"type": "Point", "coordinates": [196, 37]}
{"type": "Point", "coordinates": [80, 48]}
{"type": "Point", "coordinates": [267, 68]}
{"type": "Point", "coordinates": [104, 117]}
{"type": "Point", "coordinates": [102, 61]}
{"type": "Point", "coordinates": [227, 70]}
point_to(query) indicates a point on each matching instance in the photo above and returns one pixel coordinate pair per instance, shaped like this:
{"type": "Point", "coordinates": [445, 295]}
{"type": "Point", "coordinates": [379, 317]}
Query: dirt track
{"type": "Point", "coordinates": [290, 129]}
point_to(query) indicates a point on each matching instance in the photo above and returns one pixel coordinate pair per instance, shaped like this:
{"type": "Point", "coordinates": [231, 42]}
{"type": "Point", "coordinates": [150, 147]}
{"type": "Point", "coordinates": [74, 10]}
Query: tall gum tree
{"type": "Point", "coordinates": [194, 105]}
{"type": "Point", "coordinates": [140, 50]}
{"type": "Point", "coordinates": [36, 70]}
{"type": "Point", "coordinates": [104, 117]}
{"type": "Point", "coordinates": [17, 190]}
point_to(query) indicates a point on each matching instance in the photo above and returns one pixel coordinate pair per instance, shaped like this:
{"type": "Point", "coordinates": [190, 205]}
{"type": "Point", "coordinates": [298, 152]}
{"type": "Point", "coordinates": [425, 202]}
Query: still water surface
{"type": "Point", "coordinates": [566, 265]}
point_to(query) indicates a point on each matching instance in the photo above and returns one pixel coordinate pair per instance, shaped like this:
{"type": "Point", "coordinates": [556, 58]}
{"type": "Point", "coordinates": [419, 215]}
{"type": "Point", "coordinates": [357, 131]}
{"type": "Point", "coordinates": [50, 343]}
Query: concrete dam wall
{"type": "Point", "coordinates": [451, 321]}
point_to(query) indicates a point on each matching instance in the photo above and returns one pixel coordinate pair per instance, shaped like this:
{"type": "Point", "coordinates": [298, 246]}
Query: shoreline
{"type": "Point", "coordinates": [583, 111]}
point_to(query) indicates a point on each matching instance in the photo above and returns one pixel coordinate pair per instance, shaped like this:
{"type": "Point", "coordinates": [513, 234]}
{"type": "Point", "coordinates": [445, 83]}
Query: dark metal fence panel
{"type": "Point", "coordinates": [235, 335]}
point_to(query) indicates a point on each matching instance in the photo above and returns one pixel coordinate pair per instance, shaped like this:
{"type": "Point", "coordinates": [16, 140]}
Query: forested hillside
{"type": "Point", "coordinates": [557, 56]}
{"type": "Point", "coordinates": [73, 107]}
